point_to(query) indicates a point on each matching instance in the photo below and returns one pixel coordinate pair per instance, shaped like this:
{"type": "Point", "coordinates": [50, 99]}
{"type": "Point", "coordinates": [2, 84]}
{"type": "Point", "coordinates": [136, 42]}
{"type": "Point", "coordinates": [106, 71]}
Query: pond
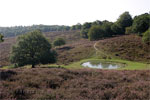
{"type": "Point", "coordinates": [102, 65]}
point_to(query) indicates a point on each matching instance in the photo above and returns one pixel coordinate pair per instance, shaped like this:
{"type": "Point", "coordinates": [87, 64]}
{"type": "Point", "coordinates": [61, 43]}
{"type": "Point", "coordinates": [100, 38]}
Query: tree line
{"type": "Point", "coordinates": [125, 24]}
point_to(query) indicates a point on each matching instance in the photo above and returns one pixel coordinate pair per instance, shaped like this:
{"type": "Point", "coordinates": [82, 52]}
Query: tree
{"type": "Point", "coordinates": [117, 30]}
{"type": "Point", "coordinates": [59, 42]}
{"type": "Point", "coordinates": [124, 20]}
{"type": "Point", "coordinates": [1, 38]}
{"type": "Point", "coordinates": [106, 26]}
{"type": "Point", "coordinates": [141, 23]}
{"type": "Point", "coordinates": [96, 33]}
{"type": "Point", "coordinates": [85, 28]}
{"type": "Point", "coordinates": [32, 48]}
{"type": "Point", "coordinates": [146, 37]}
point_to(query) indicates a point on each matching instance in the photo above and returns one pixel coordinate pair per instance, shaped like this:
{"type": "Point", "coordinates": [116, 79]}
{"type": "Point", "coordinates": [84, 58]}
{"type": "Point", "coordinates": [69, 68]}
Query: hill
{"type": "Point", "coordinates": [129, 47]}
{"type": "Point", "coordinates": [81, 84]}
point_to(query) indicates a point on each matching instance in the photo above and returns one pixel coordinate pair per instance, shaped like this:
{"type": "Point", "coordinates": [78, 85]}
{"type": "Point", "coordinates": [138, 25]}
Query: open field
{"type": "Point", "coordinates": [82, 84]}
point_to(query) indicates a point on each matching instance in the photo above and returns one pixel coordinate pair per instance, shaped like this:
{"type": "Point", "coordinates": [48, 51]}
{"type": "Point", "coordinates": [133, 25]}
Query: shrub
{"type": "Point", "coordinates": [128, 30]}
{"type": "Point", "coordinates": [59, 42]}
{"type": "Point", "coordinates": [96, 33]}
{"type": "Point", "coordinates": [146, 37]}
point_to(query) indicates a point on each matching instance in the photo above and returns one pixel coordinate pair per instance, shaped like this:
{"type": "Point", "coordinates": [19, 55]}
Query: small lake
{"type": "Point", "coordinates": [101, 65]}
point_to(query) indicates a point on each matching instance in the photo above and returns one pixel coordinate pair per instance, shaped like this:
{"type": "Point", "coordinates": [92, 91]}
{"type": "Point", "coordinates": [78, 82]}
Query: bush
{"type": "Point", "coordinates": [117, 30]}
{"type": "Point", "coordinates": [96, 33]}
{"type": "Point", "coordinates": [32, 48]}
{"type": "Point", "coordinates": [128, 30]}
{"type": "Point", "coordinates": [146, 37]}
{"type": "Point", "coordinates": [59, 42]}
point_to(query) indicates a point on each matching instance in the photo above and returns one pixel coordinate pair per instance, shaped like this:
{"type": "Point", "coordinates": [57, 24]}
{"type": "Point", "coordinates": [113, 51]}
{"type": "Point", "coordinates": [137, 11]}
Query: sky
{"type": "Point", "coordinates": [66, 12]}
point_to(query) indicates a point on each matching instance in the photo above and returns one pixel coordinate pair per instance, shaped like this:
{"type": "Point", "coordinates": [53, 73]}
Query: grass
{"type": "Point", "coordinates": [130, 65]}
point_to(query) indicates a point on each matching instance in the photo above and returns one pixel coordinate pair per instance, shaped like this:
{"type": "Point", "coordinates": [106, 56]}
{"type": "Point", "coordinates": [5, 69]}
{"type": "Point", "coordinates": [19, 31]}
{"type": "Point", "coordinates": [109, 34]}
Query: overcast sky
{"type": "Point", "coordinates": [66, 12]}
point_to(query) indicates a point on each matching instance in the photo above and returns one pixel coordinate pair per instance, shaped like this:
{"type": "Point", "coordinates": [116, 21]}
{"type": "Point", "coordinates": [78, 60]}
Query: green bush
{"type": "Point", "coordinates": [146, 37]}
{"type": "Point", "coordinates": [128, 30]}
{"type": "Point", "coordinates": [96, 33]}
{"type": "Point", "coordinates": [59, 42]}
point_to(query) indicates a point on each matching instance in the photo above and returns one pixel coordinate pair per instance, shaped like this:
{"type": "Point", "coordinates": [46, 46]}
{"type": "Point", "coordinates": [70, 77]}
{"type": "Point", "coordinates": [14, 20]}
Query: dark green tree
{"type": "Point", "coordinates": [106, 26]}
{"type": "Point", "coordinates": [32, 48]}
{"type": "Point", "coordinates": [97, 22]}
{"type": "Point", "coordinates": [146, 37]}
{"type": "Point", "coordinates": [117, 30]}
{"type": "Point", "coordinates": [1, 38]}
{"type": "Point", "coordinates": [85, 28]}
{"type": "Point", "coordinates": [59, 42]}
{"type": "Point", "coordinates": [124, 20]}
{"type": "Point", "coordinates": [96, 33]}
{"type": "Point", "coordinates": [141, 23]}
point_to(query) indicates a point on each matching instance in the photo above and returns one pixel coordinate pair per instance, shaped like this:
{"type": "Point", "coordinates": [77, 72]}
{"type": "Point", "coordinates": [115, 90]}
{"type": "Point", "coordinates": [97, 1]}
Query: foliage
{"type": "Point", "coordinates": [18, 30]}
{"type": "Point", "coordinates": [117, 30]}
{"type": "Point", "coordinates": [96, 33]}
{"type": "Point", "coordinates": [97, 22]}
{"type": "Point", "coordinates": [32, 48]}
{"type": "Point", "coordinates": [1, 38]}
{"type": "Point", "coordinates": [125, 20]}
{"type": "Point", "coordinates": [76, 27]}
{"type": "Point", "coordinates": [106, 26]}
{"type": "Point", "coordinates": [146, 37]}
{"type": "Point", "coordinates": [128, 30]}
{"type": "Point", "coordinates": [85, 28]}
{"type": "Point", "coordinates": [59, 42]}
{"type": "Point", "coordinates": [141, 23]}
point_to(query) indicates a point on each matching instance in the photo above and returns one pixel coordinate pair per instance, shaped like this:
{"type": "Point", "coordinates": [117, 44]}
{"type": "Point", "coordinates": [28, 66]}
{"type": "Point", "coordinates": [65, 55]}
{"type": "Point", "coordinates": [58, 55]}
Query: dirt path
{"type": "Point", "coordinates": [98, 51]}
{"type": "Point", "coordinates": [95, 46]}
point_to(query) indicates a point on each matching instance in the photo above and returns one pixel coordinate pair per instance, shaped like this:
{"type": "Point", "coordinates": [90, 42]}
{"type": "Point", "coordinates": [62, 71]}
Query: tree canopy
{"type": "Point", "coordinates": [124, 20]}
{"type": "Point", "coordinates": [96, 33]}
{"type": "Point", "coordinates": [32, 48]}
{"type": "Point", "coordinates": [141, 23]}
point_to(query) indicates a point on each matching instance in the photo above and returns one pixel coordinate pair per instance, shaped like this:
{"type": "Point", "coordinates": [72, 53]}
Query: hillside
{"type": "Point", "coordinates": [81, 84]}
{"type": "Point", "coordinates": [5, 47]}
{"type": "Point", "coordinates": [129, 47]}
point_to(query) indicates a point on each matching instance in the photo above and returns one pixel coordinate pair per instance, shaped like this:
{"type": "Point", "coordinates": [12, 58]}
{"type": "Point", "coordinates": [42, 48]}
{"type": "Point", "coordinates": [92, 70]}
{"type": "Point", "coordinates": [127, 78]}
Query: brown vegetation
{"type": "Point", "coordinates": [81, 49]}
{"type": "Point", "coordinates": [128, 47]}
{"type": "Point", "coordinates": [65, 84]}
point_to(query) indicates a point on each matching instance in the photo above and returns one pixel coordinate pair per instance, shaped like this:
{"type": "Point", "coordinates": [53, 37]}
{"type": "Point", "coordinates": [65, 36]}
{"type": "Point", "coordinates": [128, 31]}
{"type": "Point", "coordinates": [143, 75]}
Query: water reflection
{"type": "Point", "coordinates": [101, 65]}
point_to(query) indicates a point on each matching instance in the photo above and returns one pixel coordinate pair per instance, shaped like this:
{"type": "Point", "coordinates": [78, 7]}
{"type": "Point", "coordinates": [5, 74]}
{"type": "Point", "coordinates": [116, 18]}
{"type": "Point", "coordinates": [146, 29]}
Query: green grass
{"type": "Point", "coordinates": [129, 65]}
